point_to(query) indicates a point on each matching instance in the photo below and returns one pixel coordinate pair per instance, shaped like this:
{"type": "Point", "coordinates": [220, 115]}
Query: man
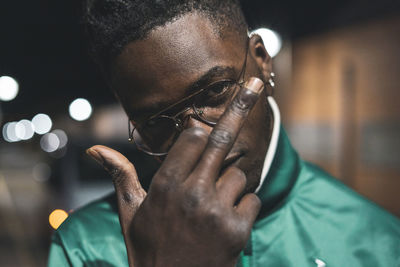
{"type": "Point", "coordinates": [230, 189]}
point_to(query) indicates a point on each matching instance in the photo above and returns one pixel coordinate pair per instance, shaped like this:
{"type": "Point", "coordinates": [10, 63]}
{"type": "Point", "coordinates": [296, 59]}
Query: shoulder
{"type": "Point", "coordinates": [100, 216]}
{"type": "Point", "coordinates": [90, 234]}
{"type": "Point", "coordinates": [320, 191]}
{"type": "Point", "coordinates": [97, 220]}
{"type": "Point", "coordinates": [332, 220]}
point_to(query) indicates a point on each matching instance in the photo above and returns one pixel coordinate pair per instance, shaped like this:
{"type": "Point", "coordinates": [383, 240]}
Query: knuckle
{"type": "Point", "coordinates": [238, 173]}
{"type": "Point", "coordinates": [214, 218]}
{"type": "Point", "coordinates": [196, 132]}
{"type": "Point", "coordinates": [118, 174]}
{"type": "Point", "coordinates": [166, 173]}
{"type": "Point", "coordinates": [241, 182]}
{"type": "Point", "coordinates": [117, 177]}
{"type": "Point", "coordinates": [253, 205]}
{"type": "Point", "coordinates": [256, 202]}
{"type": "Point", "coordinates": [127, 197]}
{"type": "Point", "coordinates": [244, 102]}
{"type": "Point", "coordinates": [220, 137]}
{"type": "Point", "coordinates": [195, 135]}
{"type": "Point", "coordinates": [162, 185]}
{"type": "Point", "coordinates": [234, 176]}
{"type": "Point", "coordinates": [193, 198]}
{"type": "Point", "coordinates": [191, 203]}
{"type": "Point", "coordinates": [241, 178]}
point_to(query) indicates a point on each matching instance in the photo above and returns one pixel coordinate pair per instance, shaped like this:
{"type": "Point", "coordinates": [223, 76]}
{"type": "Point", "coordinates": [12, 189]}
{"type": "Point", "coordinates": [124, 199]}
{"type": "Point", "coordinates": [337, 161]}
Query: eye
{"type": "Point", "coordinates": [219, 88]}
{"type": "Point", "coordinates": [217, 93]}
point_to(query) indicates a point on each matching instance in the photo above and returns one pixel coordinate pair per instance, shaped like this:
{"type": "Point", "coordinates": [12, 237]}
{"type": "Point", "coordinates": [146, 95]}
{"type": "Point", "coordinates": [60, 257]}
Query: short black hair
{"type": "Point", "coordinates": [109, 25]}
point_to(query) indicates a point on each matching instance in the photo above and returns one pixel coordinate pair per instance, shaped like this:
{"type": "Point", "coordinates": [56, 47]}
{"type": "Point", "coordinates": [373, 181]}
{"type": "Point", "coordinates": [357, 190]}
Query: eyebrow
{"type": "Point", "coordinates": [211, 75]}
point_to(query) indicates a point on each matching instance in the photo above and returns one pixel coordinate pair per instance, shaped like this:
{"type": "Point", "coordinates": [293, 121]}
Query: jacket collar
{"type": "Point", "coordinates": [281, 168]}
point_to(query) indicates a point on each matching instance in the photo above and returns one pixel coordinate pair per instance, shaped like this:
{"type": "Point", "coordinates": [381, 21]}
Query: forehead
{"type": "Point", "coordinates": [159, 68]}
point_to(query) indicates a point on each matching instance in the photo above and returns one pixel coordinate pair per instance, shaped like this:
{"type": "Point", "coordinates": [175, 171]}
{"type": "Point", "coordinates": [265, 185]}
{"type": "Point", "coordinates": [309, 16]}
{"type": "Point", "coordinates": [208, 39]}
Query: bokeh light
{"type": "Point", "coordinates": [80, 109]}
{"type": "Point", "coordinates": [57, 217]}
{"type": "Point", "coordinates": [9, 132]}
{"type": "Point", "coordinates": [272, 40]}
{"type": "Point", "coordinates": [62, 136]}
{"type": "Point", "coordinates": [42, 123]}
{"type": "Point", "coordinates": [49, 142]}
{"type": "Point", "coordinates": [24, 130]}
{"type": "Point", "coordinates": [8, 88]}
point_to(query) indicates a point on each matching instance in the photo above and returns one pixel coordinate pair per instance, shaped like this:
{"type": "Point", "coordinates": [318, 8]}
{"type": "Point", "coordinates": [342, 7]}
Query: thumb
{"type": "Point", "coordinates": [130, 193]}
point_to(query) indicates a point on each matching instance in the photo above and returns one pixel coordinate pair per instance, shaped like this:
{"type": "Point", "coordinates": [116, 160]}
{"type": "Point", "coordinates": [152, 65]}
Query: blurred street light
{"type": "Point", "coordinates": [57, 217]}
{"type": "Point", "coordinates": [80, 109]}
{"type": "Point", "coordinates": [8, 88]}
{"type": "Point", "coordinates": [24, 130]}
{"type": "Point", "coordinates": [62, 136]}
{"type": "Point", "coordinates": [49, 142]}
{"type": "Point", "coordinates": [42, 123]}
{"type": "Point", "coordinates": [272, 40]}
{"type": "Point", "coordinates": [9, 132]}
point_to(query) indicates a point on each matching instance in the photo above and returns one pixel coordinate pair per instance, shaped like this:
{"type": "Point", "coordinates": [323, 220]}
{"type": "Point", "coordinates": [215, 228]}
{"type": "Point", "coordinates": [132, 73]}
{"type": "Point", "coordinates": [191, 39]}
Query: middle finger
{"type": "Point", "coordinates": [224, 134]}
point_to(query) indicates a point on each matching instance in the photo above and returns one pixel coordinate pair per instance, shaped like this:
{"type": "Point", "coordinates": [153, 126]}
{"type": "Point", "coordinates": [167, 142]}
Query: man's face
{"type": "Point", "coordinates": [151, 74]}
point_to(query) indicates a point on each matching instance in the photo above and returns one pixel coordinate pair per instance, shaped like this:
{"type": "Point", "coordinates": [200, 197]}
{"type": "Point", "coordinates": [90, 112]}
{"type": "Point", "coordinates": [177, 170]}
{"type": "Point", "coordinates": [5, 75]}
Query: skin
{"type": "Point", "coordinates": [197, 211]}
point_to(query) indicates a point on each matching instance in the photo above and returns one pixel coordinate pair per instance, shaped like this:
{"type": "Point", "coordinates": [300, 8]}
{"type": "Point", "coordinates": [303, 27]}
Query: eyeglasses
{"type": "Point", "coordinates": [160, 131]}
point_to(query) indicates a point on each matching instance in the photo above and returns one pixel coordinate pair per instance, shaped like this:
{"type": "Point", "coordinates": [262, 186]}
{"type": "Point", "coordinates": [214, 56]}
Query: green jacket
{"type": "Point", "coordinates": [307, 218]}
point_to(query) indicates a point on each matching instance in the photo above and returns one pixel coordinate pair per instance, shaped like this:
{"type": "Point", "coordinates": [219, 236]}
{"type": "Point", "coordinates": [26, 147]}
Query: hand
{"type": "Point", "coordinates": [191, 215]}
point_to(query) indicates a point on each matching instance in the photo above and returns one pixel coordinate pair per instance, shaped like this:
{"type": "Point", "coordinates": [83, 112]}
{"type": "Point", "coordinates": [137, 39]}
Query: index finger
{"type": "Point", "coordinates": [224, 134]}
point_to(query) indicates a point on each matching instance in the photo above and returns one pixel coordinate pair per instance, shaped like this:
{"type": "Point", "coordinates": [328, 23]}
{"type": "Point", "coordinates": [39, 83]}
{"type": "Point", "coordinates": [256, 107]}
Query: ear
{"type": "Point", "coordinates": [260, 55]}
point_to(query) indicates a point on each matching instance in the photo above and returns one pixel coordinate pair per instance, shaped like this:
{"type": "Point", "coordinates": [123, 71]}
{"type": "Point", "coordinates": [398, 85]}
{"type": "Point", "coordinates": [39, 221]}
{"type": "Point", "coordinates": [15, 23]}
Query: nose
{"type": "Point", "coordinates": [192, 121]}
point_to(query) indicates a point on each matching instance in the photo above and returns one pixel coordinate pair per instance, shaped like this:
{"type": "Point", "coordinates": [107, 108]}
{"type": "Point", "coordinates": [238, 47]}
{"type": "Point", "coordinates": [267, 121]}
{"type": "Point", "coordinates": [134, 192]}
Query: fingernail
{"type": "Point", "coordinates": [255, 85]}
{"type": "Point", "coordinates": [95, 155]}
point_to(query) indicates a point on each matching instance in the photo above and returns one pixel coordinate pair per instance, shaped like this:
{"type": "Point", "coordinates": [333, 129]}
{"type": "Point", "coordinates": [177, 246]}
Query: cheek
{"type": "Point", "coordinates": [256, 136]}
{"type": "Point", "coordinates": [258, 126]}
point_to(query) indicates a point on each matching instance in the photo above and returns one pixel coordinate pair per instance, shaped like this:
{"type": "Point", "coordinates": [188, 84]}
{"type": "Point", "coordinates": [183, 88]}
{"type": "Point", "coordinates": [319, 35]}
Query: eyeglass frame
{"type": "Point", "coordinates": [178, 122]}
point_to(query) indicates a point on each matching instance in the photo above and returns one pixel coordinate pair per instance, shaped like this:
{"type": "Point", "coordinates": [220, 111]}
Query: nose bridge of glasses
{"type": "Point", "coordinates": [189, 118]}
{"type": "Point", "coordinates": [183, 114]}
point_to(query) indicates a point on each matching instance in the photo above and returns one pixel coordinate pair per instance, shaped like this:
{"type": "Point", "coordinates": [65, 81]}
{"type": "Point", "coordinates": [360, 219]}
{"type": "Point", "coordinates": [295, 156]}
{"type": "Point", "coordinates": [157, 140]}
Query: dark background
{"type": "Point", "coordinates": [42, 47]}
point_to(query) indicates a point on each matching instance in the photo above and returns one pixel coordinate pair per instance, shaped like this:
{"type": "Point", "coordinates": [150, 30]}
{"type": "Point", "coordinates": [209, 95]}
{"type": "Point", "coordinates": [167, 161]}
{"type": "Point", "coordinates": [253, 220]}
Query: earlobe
{"type": "Point", "coordinates": [260, 55]}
